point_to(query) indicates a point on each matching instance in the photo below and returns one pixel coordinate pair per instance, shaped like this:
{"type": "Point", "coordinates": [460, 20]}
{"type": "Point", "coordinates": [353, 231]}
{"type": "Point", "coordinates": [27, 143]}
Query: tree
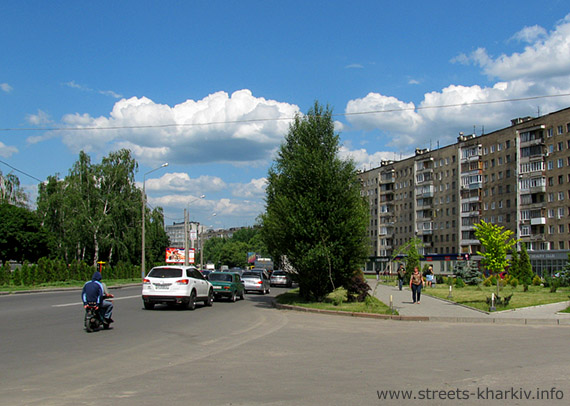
{"type": "Point", "coordinates": [525, 273]}
{"type": "Point", "coordinates": [95, 212]}
{"type": "Point", "coordinates": [497, 242]}
{"type": "Point", "coordinates": [315, 215]}
{"type": "Point", "coordinates": [10, 190]}
{"type": "Point", "coordinates": [21, 235]}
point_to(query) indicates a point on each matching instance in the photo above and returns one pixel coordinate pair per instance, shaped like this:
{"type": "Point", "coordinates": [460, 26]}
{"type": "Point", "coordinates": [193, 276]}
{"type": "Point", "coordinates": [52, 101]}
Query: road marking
{"type": "Point", "coordinates": [81, 303]}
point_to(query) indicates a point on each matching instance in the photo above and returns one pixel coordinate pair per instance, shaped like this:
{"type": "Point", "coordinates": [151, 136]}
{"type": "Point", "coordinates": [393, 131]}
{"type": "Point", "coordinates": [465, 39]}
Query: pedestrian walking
{"type": "Point", "coordinates": [377, 274]}
{"type": "Point", "coordinates": [416, 284]}
{"type": "Point", "coordinates": [401, 276]}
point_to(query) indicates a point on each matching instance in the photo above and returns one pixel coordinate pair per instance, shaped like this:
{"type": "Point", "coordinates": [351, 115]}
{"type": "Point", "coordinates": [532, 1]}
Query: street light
{"type": "Point", "coordinates": [143, 217]}
{"type": "Point", "coordinates": [186, 259]}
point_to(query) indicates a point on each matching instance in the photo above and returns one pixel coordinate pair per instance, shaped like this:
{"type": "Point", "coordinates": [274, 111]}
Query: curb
{"type": "Point", "coordinates": [441, 319]}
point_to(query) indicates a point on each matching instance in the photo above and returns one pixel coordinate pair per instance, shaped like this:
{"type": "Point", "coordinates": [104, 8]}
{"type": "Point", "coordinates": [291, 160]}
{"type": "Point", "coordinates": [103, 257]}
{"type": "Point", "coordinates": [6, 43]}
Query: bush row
{"type": "Point", "coordinates": [54, 270]}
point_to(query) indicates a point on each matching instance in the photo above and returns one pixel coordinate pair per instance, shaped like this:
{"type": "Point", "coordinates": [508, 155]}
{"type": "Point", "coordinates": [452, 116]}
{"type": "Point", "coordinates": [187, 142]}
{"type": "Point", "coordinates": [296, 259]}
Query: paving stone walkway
{"type": "Point", "coordinates": [442, 310]}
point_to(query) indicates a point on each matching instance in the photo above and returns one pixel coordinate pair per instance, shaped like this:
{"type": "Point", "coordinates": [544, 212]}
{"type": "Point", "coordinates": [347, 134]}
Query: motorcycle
{"type": "Point", "coordinates": [94, 318]}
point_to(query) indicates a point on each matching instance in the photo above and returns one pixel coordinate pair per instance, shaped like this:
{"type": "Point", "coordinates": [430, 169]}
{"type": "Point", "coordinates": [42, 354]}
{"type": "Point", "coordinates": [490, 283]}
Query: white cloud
{"type": "Point", "coordinates": [7, 151]}
{"type": "Point", "coordinates": [363, 160]}
{"type": "Point", "coordinates": [42, 118]}
{"type": "Point", "coordinates": [545, 57]}
{"type": "Point", "coordinates": [5, 87]}
{"type": "Point", "coordinates": [253, 189]}
{"type": "Point", "coordinates": [542, 69]}
{"type": "Point", "coordinates": [354, 66]}
{"type": "Point", "coordinates": [218, 128]}
{"type": "Point", "coordinates": [530, 34]}
{"type": "Point", "coordinates": [84, 88]}
{"type": "Point", "coordinates": [181, 182]}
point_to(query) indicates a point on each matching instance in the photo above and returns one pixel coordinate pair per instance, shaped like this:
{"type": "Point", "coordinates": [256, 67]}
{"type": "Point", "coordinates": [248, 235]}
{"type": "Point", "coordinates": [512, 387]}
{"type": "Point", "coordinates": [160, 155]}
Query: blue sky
{"type": "Point", "coordinates": [192, 78]}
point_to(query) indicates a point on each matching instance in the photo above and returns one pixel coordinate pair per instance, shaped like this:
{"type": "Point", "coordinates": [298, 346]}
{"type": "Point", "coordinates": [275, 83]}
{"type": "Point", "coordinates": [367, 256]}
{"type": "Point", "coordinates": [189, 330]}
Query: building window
{"type": "Point", "coordinates": [560, 130]}
{"type": "Point", "coordinates": [549, 133]}
{"type": "Point", "coordinates": [560, 163]}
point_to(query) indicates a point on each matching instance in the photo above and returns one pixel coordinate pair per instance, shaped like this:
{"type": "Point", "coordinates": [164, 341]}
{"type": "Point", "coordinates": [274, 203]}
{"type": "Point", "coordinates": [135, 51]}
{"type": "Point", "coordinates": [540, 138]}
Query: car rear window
{"type": "Point", "coordinates": [251, 275]}
{"type": "Point", "coordinates": [220, 277]}
{"type": "Point", "coordinates": [165, 273]}
{"type": "Point", "coordinates": [279, 273]}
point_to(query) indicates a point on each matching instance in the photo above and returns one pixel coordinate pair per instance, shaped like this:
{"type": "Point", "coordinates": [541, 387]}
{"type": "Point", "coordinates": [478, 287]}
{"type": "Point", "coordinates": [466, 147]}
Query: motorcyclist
{"type": "Point", "coordinates": [96, 291]}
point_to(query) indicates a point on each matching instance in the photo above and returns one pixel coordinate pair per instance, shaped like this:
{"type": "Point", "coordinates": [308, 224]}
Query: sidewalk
{"type": "Point", "coordinates": [434, 309]}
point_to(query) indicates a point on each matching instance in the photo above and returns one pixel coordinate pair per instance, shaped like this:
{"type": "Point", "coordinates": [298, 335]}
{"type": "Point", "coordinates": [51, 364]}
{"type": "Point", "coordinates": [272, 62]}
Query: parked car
{"type": "Point", "coordinates": [228, 285]}
{"type": "Point", "coordinates": [176, 284]}
{"type": "Point", "coordinates": [256, 281]}
{"type": "Point", "coordinates": [281, 278]}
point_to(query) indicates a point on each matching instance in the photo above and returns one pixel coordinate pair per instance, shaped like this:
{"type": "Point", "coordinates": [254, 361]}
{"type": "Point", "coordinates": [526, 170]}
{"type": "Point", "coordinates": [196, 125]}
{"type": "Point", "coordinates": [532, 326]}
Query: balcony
{"type": "Point", "coordinates": [470, 242]}
{"type": "Point", "coordinates": [538, 221]}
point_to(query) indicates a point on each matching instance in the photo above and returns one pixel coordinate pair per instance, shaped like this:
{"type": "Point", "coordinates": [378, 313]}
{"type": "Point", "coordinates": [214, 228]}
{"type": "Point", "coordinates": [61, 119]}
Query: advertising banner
{"type": "Point", "coordinates": [176, 255]}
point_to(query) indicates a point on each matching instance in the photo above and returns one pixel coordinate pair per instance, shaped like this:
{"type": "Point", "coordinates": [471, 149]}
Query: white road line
{"type": "Point", "coordinates": [81, 303]}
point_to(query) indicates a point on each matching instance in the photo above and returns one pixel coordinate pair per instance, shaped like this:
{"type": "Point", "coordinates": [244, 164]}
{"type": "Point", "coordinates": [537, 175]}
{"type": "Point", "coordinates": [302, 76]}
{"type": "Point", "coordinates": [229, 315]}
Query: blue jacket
{"type": "Point", "coordinates": [93, 290]}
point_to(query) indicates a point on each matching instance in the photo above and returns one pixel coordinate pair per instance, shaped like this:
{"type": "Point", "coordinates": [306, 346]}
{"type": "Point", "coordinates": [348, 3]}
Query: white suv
{"type": "Point", "coordinates": [172, 284]}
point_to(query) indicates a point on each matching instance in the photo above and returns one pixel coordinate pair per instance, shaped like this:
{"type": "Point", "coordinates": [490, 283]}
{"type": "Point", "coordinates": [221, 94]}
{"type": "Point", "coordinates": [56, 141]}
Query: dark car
{"type": "Point", "coordinates": [281, 278]}
{"type": "Point", "coordinates": [227, 284]}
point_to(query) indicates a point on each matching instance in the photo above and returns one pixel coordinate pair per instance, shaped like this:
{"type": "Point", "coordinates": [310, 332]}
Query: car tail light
{"type": "Point", "coordinates": [182, 282]}
{"type": "Point", "coordinates": [260, 282]}
{"type": "Point", "coordinates": [146, 281]}
{"type": "Point", "coordinates": [226, 287]}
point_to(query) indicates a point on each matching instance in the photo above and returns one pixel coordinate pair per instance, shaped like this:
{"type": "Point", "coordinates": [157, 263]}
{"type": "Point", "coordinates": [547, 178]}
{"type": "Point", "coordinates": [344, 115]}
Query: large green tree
{"type": "Point", "coordinates": [95, 212]}
{"type": "Point", "coordinates": [315, 214]}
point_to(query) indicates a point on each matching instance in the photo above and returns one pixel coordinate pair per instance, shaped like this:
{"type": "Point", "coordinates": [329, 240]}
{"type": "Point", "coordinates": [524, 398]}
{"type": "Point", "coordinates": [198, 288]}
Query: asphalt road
{"type": "Point", "coordinates": [247, 353]}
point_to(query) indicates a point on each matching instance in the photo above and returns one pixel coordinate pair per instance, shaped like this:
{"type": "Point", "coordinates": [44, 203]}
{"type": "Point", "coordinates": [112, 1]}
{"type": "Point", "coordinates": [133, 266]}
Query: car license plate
{"type": "Point", "coordinates": [161, 287]}
{"type": "Point", "coordinates": [217, 287]}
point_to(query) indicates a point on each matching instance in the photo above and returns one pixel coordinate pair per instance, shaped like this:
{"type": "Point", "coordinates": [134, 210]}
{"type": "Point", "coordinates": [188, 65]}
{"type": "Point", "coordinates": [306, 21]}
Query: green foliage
{"type": "Point", "coordinates": [525, 273]}
{"type": "Point", "coordinates": [94, 213]}
{"type": "Point", "coordinates": [459, 282]}
{"type": "Point", "coordinates": [21, 235]}
{"type": "Point", "coordinates": [536, 281]}
{"type": "Point", "coordinates": [233, 251]}
{"type": "Point", "coordinates": [315, 215]}
{"type": "Point", "coordinates": [5, 274]}
{"type": "Point", "coordinates": [513, 282]}
{"type": "Point", "coordinates": [497, 242]}
{"type": "Point", "coordinates": [468, 272]}
{"type": "Point", "coordinates": [10, 191]}
{"type": "Point", "coordinates": [490, 281]}
{"type": "Point", "coordinates": [412, 256]}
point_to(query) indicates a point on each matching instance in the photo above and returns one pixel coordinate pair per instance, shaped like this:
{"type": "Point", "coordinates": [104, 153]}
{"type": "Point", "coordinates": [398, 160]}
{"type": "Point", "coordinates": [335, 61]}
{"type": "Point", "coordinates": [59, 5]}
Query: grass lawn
{"type": "Point", "coordinates": [335, 302]}
{"type": "Point", "coordinates": [476, 297]}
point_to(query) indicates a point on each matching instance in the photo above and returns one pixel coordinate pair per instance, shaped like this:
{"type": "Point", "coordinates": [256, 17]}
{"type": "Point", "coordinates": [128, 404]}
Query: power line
{"type": "Point", "coordinates": [259, 120]}
{"type": "Point", "coordinates": [22, 172]}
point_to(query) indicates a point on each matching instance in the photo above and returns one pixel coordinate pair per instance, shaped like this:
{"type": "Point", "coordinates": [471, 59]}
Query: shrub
{"type": "Point", "coordinates": [536, 281]}
{"type": "Point", "coordinates": [358, 288]}
{"type": "Point", "coordinates": [337, 296]}
{"type": "Point", "coordinates": [459, 282]}
{"type": "Point", "coordinates": [449, 281]}
{"type": "Point", "coordinates": [513, 282]}
{"type": "Point", "coordinates": [439, 279]}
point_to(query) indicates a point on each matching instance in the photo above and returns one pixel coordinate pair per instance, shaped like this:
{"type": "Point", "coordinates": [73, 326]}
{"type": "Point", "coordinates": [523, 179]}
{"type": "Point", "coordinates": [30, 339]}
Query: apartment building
{"type": "Point", "coordinates": [517, 177]}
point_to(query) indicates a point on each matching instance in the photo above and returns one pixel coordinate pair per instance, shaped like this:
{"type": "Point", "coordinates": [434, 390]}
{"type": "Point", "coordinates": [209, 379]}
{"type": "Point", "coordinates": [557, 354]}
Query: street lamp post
{"type": "Point", "coordinates": [143, 218]}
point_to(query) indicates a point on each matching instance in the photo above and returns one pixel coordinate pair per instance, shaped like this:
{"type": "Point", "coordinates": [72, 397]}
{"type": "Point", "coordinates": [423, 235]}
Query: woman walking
{"type": "Point", "coordinates": [416, 284]}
